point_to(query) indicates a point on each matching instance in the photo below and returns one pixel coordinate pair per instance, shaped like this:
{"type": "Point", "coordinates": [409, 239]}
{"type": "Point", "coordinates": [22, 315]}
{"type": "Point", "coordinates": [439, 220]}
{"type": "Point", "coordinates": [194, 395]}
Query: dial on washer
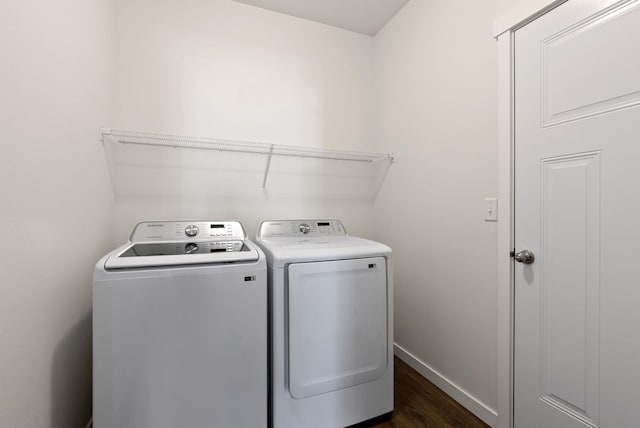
{"type": "Point", "coordinates": [191, 230]}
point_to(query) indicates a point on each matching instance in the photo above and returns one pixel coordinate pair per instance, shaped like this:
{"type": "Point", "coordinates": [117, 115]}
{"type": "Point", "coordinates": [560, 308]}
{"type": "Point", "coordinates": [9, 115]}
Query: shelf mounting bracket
{"type": "Point", "coordinates": [266, 169]}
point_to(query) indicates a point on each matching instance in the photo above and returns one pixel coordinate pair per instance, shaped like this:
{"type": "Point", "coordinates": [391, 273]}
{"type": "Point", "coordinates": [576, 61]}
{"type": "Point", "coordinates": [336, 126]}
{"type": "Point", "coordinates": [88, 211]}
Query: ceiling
{"type": "Point", "coordinates": [362, 16]}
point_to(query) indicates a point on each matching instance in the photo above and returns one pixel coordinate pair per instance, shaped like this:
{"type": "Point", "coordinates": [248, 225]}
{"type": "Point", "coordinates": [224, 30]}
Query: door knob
{"type": "Point", "coordinates": [524, 256]}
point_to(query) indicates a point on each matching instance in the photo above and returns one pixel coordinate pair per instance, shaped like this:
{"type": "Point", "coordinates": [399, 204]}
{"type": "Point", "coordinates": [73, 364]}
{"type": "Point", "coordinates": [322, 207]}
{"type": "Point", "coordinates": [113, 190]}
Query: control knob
{"type": "Point", "coordinates": [304, 228]}
{"type": "Point", "coordinates": [191, 248]}
{"type": "Point", "coordinates": [191, 230]}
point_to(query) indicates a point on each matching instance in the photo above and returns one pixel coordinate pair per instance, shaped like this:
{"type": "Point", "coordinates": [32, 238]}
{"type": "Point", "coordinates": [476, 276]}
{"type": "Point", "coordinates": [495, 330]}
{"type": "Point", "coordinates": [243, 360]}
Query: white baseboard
{"type": "Point", "coordinates": [475, 406]}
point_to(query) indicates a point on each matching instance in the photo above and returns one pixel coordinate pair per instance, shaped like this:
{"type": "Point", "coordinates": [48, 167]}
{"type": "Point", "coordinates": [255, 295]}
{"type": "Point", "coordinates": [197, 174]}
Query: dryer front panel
{"type": "Point", "coordinates": [336, 324]}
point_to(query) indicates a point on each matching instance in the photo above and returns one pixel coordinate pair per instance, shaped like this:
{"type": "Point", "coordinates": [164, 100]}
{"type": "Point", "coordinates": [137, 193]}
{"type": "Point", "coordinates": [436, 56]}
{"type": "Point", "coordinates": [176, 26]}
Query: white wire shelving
{"type": "Point", "coordinates": [382, 161]}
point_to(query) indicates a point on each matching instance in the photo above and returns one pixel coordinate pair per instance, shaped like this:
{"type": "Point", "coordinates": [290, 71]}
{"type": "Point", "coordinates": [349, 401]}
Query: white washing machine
{"type": "Point", "coordinates": [180, 329]}
{"type": "Point", "coordinates": [331, 324]}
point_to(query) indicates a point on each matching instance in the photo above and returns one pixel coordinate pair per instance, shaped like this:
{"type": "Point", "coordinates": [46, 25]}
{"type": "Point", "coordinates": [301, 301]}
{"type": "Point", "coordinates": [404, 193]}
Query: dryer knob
{"type": "Point", "coordinates": [304, 228]}
{"type": "Point", "coordinates": [191, 230]}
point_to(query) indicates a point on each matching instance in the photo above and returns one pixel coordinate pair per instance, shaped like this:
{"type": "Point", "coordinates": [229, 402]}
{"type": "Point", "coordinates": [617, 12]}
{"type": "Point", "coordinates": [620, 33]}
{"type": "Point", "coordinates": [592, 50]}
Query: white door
{"type": "Point", "coordinates": [577, 196]}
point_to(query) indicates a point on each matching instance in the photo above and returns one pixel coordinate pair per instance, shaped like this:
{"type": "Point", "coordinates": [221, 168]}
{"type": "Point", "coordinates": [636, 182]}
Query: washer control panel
{"type": "Point", "coordinates": [187, 231]}
{"type": "Point", "coordinates": [296, 228]}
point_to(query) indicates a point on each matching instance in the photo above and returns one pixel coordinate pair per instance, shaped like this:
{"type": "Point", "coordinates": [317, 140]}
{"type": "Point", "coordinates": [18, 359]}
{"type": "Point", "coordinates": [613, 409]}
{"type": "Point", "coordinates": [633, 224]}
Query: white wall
{"type": "Point", "coordinates": [223, 69]}
{"type": "Point", "coordinates": [56, 207]}
{"type": "Point", "coordinates": [424, 89]}
{"type": "Point", "coordinates": [435, 66]}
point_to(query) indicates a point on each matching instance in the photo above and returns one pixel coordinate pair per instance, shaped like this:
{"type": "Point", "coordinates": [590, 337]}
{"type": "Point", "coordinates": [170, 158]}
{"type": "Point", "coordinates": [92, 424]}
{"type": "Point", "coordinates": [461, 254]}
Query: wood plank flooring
{"type": "Point", "coordinates": [420, 404]}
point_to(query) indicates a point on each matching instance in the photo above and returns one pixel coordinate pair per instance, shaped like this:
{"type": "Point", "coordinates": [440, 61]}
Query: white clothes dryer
{"type": "Point", "coordinates": [180, 329]}
{"type": "Point", "coordinates": [331, 324]}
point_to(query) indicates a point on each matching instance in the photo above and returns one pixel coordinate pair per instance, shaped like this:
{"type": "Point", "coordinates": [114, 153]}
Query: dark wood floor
{"type": "Point", "coordinates": [420, 404]}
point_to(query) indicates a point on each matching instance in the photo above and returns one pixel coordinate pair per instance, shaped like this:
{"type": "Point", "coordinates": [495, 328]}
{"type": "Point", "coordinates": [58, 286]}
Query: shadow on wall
{"type": "Point", "coordinates": [71, 375]}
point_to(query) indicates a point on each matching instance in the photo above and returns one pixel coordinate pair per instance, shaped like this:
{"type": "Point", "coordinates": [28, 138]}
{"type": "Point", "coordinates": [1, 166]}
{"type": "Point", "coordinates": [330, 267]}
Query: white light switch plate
{"type": "Point", "coordinates": [491, 206]}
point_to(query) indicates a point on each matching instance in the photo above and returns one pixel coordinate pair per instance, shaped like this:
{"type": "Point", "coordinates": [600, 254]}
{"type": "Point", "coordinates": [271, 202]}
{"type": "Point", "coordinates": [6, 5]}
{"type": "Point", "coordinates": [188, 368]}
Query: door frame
{"type": "Point", "coordinates": [504, 31]}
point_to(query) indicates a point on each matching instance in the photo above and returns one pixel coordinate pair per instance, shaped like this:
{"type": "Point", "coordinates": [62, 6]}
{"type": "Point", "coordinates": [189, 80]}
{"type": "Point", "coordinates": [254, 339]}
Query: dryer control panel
{"type": "Point", "coordinates": [297, 228]}
{"type": "Point", "coordinates": [153, 231]}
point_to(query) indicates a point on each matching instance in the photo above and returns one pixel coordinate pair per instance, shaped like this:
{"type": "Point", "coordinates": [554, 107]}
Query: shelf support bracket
{"type": "Point", "coordinates": [266, 169]}
{"type": "Point", "coordinates": [103, 131]}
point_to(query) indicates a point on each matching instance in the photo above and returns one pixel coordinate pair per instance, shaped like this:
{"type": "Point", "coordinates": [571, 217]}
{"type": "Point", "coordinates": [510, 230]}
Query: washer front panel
{"type": "Point", "coordinates": [180, 347]}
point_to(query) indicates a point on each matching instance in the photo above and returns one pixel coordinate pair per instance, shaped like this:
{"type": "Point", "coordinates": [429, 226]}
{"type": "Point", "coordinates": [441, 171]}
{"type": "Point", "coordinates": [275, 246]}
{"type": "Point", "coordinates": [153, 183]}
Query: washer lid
{"type": "Point", "coordinates": [181, 253]}
{"type": "Point", "coordinates": [183, 248]}
{"type": "Point", "coordinates": [171, 243]}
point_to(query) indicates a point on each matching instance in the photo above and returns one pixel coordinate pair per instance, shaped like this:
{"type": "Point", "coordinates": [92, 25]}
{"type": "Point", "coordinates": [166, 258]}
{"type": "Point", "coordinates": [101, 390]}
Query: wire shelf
{"type": "Point", "coordinates": [381, 161]}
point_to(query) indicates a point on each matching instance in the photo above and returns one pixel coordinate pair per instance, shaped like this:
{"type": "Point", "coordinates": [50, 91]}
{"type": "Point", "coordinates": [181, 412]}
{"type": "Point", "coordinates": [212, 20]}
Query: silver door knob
{"type": "Point", "coordinates": [524, 256]}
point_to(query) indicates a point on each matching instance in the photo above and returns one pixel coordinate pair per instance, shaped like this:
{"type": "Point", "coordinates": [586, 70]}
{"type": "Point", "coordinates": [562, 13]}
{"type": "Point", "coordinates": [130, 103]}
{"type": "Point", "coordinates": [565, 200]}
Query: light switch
{"type": "Point", "coordinates": [491, 207]}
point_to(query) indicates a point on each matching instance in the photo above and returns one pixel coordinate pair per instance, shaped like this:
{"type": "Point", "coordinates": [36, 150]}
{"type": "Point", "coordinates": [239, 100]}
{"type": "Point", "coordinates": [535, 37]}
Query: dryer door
{"type": "Point", "coordinates": [337, 324]}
